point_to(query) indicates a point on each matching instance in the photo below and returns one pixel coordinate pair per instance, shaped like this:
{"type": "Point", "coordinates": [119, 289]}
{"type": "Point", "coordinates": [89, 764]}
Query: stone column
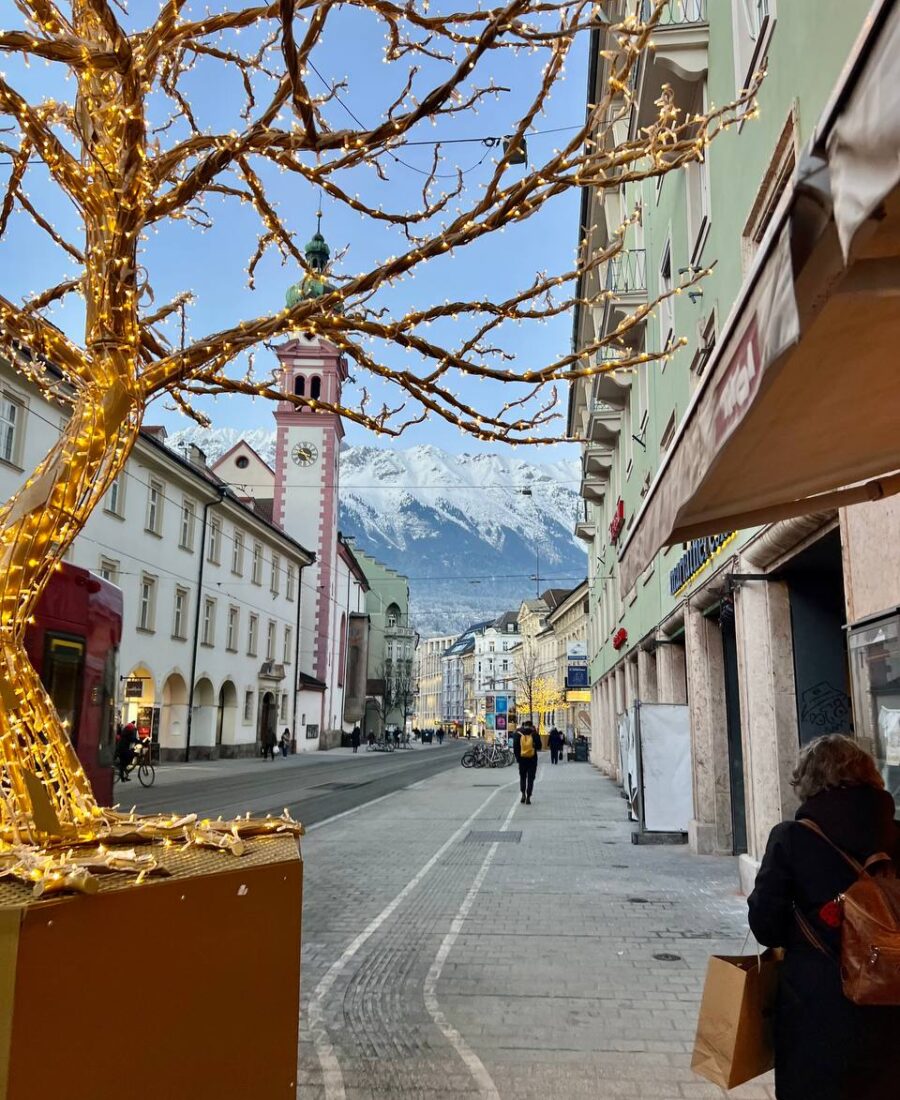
{"type": "Point", "coordinates": [632, 683]}
{"type": "Point", "coordinates": [610, 713]}
{"type": "Point", "coordinates": [671, 679]}
{"type": "Point", "coordinates": [768, 710]}
{"type": "Point", "coordinates": [647, 675]}
{"type": "Point", "coordinates": [710, 831]}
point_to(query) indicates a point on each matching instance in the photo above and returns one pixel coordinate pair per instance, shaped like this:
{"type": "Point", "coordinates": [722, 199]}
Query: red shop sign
{"type": "Point", "coordinates": [618, 521]}
{"type": "Point", "coordinates": [620, 638]}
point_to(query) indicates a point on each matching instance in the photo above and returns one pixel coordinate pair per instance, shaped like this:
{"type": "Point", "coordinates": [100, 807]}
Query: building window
{"type": "Point", "coordinates": [11, 416]}
{"type": "Point", "coordinates": [253, 636]}
{"type": "Point", "coordinates": [147, 604]}
{"type": "Point", "coordinates": [665, 440]}
{"type": "Point", "coordinates": [666, 311]}
{"type": "Point", "coordinates": [393, 616]}
{"type": "Point", "coordinates": [208, 637]}
{"type": "Point", "coordinates": [270, 641]}
{"type": "Point", "coordinates": [282, 710]}
{"type": "Point", "coordinates": [234, 622]}
{"type": "Point", "coordinates": [179, 618]}
{"type": "Point", "coordinates": [155, 496]}
{"type": "Point", "coordinates": [256, 564]}
{"type": "Point", "coordinates": [237, 554]}
{"type": "Point", "coordinates": [697, 188]}
{"type": "Point", "coordinates": [342, 659]}
{"type": "Point", "coordinates": [109, 570]}
{"type": "Point", "coordinates": [753, 22]}
{"type": "Point", "coordinates": [213, 554]}
{"type": "Point", "coordinates": [389, 651]}
{"type": "Point", "coordinates": [115, 497]}
{"type": "Point", "coordinates": [248, 706]}
{"type": "Point", "coordinates": [291, 582]}
{"type": "Point", "coordinates": [300, 386]}
{"type": "Point", "coordinates": [289, 645]}
{"type": "Point", "coordinates": [275, 575]}
{"type": "Point", "coordinates": [778, 176]}
{"type": "Point", "coordinates": [188, 516]}
{"type": "Point", "coordinates": [315, 388]}
{"type": "Point", "coordinates": [707, 345]}
{"type": "Point", "coordinates": [242, 462]}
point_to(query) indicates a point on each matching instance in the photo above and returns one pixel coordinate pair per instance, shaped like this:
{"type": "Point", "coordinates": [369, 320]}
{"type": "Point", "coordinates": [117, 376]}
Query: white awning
{"type": "Point", "coordinates": [800, 407]}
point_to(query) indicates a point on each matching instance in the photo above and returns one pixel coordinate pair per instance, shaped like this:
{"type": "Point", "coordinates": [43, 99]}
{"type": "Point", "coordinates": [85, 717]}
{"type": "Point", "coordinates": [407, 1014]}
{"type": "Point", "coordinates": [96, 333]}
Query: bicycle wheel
{"type": "Point", "coordinates": [146, 774]}
{"type": "Point", "coordinates": [468, 759]}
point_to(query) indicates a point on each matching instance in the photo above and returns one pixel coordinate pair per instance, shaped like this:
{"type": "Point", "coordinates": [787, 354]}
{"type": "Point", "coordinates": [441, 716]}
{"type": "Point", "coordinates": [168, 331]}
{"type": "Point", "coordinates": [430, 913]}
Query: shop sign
{"type": "Point", "coordinates": [134, 689]}
{"type": "Point", "coordinates": [696, 558]}
{"type": "Point", "coordinates": [620, 638]}
{"type": "Point", "coordinates": [618, 522]}
{"type": "Point", "coordinates": [739, 383]}
{"type": "Point", "coordinates": [578, 696]}
{"type": "Point", "coordinates": [576, 665]}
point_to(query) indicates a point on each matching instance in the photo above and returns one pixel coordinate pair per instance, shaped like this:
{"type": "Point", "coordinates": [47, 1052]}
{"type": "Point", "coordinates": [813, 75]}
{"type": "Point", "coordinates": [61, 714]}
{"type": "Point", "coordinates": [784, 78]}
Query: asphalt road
{"type": "Point", "coordinates": [312, 786]}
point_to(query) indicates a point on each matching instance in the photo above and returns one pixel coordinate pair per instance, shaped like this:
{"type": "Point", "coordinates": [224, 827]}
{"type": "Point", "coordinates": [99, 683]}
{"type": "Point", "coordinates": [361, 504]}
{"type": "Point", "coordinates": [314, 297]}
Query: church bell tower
{"type": "Point", "coordinates": [307, 462]}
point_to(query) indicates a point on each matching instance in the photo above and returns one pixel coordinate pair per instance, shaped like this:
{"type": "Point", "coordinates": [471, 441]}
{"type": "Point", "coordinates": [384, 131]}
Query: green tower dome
{"type": "Point", "coordinates": [313, 284]}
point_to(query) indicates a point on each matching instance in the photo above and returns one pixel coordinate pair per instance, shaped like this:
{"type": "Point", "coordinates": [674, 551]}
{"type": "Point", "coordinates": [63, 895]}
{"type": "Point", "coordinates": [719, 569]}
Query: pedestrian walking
{"type": "Point", "coordinates": [526, 746]}
{"type": "Point", "coordinates": [826, 1046]}
{"type": "Point", "coordinates": [269, 740]}
{"type": "Point", "coordinates": [440, 735]}
{"type": "Point", "coordinates": [354, 739]}
{"type": "Point", "coordinates": [285, 743]}
{"type": "Point", "coordinates": [556, 744]}
{"type": "Point", "coordinates": [370, 738]}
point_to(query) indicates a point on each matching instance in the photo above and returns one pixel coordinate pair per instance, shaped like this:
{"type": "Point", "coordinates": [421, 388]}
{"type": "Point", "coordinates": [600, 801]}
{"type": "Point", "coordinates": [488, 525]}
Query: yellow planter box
{"type": "Point", "coordinates": [181, 987]}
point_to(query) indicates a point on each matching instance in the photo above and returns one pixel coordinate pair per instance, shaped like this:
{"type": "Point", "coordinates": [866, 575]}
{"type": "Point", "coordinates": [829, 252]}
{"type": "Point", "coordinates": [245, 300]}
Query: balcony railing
{"type": "Point", "coordinates": [626, 272]}
{"type": "Point", "coordinates": [677, 13]}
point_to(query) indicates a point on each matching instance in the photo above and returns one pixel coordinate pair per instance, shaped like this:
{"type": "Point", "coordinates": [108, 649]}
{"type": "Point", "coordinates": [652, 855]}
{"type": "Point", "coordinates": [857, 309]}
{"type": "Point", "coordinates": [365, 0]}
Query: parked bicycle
{"type": "Point", "coordinates": [488, 756]}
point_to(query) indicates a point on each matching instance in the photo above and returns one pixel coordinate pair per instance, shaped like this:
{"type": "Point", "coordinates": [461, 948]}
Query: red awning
{"type": "Point", "coordinates": [799, 410]}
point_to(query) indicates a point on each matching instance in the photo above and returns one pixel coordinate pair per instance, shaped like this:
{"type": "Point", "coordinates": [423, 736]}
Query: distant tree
{"type": "Point", "coordinates": [129, 150]}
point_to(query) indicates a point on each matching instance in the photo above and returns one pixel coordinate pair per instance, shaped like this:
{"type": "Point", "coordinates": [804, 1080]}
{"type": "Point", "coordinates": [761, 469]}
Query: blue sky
{"type": "Point", "coordinates": [212, 263]}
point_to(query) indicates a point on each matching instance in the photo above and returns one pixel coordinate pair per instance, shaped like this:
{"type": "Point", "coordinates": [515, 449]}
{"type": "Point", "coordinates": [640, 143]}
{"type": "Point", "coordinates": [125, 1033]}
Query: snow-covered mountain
{"type": "Point", "coordinates": [459, 526]}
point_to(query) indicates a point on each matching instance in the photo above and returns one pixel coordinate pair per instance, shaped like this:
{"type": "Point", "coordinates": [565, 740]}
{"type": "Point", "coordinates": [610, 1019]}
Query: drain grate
{"type": "Point", "coordinates": [666, 957]}
{"type": "Point", "coordinates": [512, 836]}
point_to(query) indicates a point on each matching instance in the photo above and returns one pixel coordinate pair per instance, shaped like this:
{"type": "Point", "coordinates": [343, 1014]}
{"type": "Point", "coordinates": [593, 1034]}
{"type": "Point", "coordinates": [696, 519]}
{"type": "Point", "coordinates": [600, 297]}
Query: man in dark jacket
{"type": "Point", "coordinates": [526, 745]}
{"type": "Point", "coordinates": [354, 738]}
{"type": "Point", "coordinates": [556, 744]}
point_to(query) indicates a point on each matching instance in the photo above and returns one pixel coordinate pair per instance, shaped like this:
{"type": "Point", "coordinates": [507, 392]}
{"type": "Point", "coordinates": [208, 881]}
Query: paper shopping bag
{"type": "Point", "coordinates": [734, 1029]}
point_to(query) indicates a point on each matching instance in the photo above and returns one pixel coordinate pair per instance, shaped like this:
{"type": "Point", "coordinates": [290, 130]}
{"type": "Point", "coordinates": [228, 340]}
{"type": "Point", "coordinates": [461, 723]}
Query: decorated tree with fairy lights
{"type": "Point", "coordinates": [126, 171]}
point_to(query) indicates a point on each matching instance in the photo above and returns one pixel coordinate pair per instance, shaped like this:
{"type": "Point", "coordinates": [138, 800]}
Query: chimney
{"type": "Point", "coordinates": [196, 456]}
{"type": "Point", "coordinates": [158, 432]}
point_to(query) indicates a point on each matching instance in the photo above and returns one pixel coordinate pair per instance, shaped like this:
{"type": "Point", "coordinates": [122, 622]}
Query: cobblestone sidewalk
{"type": "Point", "coordinates": [458, 944]}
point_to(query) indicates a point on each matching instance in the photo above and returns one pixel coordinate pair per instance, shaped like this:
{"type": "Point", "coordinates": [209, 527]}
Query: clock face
{"type": "Point", "coordinates": [305, 454]}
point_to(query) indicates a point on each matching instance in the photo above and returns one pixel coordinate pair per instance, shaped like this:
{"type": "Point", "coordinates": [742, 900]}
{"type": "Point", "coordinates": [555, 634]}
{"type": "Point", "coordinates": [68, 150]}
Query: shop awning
{"type": "Point", "coordinates": [799, 410]}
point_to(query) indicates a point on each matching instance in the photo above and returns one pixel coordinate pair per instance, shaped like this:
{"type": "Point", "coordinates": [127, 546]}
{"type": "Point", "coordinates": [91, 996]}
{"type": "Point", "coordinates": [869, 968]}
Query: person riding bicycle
{"type": "Point", "coordinates": [125, 743]}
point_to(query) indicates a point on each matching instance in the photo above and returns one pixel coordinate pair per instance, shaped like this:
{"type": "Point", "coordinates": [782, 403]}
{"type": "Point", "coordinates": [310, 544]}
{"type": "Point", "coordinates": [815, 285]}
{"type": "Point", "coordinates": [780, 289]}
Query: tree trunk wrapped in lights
{"type": "Point", "coordinates": [125, 175]}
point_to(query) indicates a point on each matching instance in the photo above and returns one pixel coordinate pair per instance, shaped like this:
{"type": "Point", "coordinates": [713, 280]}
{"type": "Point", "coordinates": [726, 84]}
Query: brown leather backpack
{"type": "Point", "coordinates": [870, 929]}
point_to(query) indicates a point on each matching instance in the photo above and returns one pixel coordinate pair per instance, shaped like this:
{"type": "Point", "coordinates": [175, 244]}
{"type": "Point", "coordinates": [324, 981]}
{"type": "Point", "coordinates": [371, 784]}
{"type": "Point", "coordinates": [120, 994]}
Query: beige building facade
{"type": "Point", "coordinates": [429, 681]}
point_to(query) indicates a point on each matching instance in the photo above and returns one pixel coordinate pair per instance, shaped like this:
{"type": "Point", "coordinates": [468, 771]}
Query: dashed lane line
{"type": "Point", "coordinates": [483, 1081]}
{"type": "Point", "coordinates": [333, 1078]}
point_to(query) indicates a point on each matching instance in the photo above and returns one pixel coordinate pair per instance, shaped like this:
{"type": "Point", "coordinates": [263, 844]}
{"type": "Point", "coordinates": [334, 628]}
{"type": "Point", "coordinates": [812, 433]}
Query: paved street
{"type": "Point", "coordinates": [313, 786]}
{"type": "Point", "coordinates": [457, 943]}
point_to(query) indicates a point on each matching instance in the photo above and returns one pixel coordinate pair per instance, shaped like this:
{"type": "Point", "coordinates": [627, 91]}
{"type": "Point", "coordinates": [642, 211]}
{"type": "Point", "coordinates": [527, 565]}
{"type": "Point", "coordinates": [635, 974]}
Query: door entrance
{"type": "Point", "coordinates": [268, 717]}
{"type": "Point", "coordinates": [733, 728]}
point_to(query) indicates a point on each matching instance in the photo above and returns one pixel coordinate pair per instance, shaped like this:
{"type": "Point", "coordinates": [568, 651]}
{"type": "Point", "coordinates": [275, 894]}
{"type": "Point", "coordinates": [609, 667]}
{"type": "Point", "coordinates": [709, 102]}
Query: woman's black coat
{"type": "Point", "coordinates": [826, 1048]}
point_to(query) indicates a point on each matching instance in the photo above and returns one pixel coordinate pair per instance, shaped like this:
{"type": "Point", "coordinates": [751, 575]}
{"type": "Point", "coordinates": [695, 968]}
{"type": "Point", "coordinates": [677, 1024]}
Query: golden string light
{"type": "Point", "coordinates": [125, 177]}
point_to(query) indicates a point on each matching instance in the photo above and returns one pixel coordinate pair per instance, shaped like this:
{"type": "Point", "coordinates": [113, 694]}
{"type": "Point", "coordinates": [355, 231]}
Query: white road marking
{"type": "Point", "coordinates": [356, 809]}
{"type": "Point", "coordinates": [333, 1079]}
{"type": "Point", "coordinates": [486, 1087]}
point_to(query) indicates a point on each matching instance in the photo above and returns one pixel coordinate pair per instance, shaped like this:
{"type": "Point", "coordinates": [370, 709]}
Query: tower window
{"type": "Point", "coordinates": [299, 386]}
{"type": "Point", "coordinates": [315, 387]}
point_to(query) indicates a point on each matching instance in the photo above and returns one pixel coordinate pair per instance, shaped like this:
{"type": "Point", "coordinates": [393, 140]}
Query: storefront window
{"type": "Point", "coordinates": [875, 667]}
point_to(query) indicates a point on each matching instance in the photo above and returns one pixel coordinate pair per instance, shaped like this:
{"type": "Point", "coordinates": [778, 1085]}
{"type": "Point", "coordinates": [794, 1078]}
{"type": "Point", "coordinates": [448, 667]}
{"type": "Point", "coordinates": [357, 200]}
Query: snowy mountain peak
{"type": "Point", "coordinates": [459, 526]}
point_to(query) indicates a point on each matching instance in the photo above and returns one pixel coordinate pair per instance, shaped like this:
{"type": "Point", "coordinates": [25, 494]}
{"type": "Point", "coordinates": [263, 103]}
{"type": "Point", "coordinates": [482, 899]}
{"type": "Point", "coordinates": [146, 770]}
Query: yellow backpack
{"type": "Point", "coordinates": [526, 745]}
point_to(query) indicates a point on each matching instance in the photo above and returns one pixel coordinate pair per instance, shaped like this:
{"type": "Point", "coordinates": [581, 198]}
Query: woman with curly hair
{"type": "Point", "coordinates": [826, 1047]}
